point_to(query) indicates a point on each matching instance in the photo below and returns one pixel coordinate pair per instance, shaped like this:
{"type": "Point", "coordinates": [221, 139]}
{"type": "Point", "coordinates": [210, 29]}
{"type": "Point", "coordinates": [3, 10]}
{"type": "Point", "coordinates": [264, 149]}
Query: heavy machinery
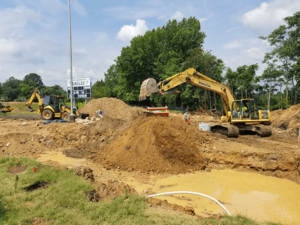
{"type": "Point", "coordinates": [52, 106]}
{"type": "Point", "coordinates": [4, 108]}
{"type": "Point", "coordinates": [241, 115]}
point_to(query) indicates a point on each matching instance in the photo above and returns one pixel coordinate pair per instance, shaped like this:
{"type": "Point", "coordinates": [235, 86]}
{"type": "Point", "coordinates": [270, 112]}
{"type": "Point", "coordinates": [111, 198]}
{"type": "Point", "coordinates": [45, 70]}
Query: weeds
{"type": "Point", "coordinates": [16, 182]}
{"type": "Point", "coordinates": [2, 209]}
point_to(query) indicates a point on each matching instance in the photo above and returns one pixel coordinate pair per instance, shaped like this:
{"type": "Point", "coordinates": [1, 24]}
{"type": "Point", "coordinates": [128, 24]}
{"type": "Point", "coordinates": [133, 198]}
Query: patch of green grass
{"type": "Point", "coordinates": [175, 111]}
{"type": "Point", "coordinates": [22, 106]}
{"type": "Point", "coordinates": [65, 201]}
{"type": "Point", "coordinates": [78, 104]}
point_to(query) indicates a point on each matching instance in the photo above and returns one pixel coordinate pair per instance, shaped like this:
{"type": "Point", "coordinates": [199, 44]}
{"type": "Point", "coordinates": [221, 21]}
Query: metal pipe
{"type": "Point", "coordinates": [189, 192]}
{"type": "Point", "coordinates": [71, 74]}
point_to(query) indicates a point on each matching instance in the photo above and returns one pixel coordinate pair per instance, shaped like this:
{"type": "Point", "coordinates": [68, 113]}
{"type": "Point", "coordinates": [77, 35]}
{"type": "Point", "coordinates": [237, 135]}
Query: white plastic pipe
{"type": "Point", "coordinates": [189, 192]}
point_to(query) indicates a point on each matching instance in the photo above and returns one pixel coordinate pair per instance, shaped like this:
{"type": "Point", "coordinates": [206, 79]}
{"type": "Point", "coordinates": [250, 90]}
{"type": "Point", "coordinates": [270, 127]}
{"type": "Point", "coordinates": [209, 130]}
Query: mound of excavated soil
{"type": "Point", "coordinates": [285, 119]}
{"type": "Point", "coordinates": [112, 107]}
{"type": "Point", "coordinates": [158, 144]}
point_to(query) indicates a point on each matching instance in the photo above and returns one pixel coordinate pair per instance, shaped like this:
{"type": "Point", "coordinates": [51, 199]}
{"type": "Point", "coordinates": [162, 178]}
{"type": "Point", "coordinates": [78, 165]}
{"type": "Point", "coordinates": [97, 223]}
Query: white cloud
{"type": "Point", "coordinates": [269, 15]}
{"type": "Point", "coordinates": [19, 52]}
{"type": "Point", "coordinates": [78, 8]}
{"type": "Point", "coordinates": [13, 20]}
{"type": "Point", "coordinates": [177, 16]}
{"type": "Point", "coordinates": [127, 32]}
{"type": "Point", "coordinates": [232, 29]}
{"type": "Point", "coordinates": [203, 19]}
{"type": "Point", "coordinates": [233, 44]}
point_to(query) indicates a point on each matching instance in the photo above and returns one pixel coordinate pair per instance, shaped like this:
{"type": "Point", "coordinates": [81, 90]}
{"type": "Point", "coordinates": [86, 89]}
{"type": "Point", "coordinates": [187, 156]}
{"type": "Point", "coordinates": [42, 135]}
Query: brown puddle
{"type": "Point", "coordinates": [257, 196]}
{"type": "Point", "coordinates": [60, 158]}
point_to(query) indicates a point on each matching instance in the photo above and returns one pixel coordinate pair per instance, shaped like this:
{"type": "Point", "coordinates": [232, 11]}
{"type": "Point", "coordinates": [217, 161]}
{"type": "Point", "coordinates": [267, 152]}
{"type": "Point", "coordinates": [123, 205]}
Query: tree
{"type": "Point", "coordinates": [271, 77]}
{"type": "Point", "coordinates": [34, 79]}
{"type": "Point", "coordinates": [97, 89]}
{"type": "Point", "coordinates": [285, 41]}
{"type": "Point", "coordinates": [52, 90]}
{"type": "Point", "coordinates": [158, 54]}
{"type": "Point", "coordinates": [11, 88]}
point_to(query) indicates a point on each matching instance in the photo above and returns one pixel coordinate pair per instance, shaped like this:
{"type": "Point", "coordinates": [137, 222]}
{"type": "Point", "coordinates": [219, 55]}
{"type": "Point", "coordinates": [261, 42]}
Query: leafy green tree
{"type": "Point", "coordinates": [52, 90]}
{"type": "Point", "coordinates": [34, 79]}
{"type": "Point", "coordinates": [158, 54]}
{"type": "Point", "coordinates": [97, 89]}
{"type": "Point", "coordinates": [26, 89]}
{"type": "Point", "coordinates": [11, 89]}
{"type": "Point", "coordinates": [271, 76]}
{"type": "Point", "coordinates": [286, 51]}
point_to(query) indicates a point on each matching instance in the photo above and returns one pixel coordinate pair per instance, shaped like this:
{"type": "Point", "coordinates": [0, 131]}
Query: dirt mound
{"type": "Point", "coordinates": [285, 119]}
{"type": "Point", "coordinates": [156, 144]}
{"type": "Point", "coordinates": [113, 107]}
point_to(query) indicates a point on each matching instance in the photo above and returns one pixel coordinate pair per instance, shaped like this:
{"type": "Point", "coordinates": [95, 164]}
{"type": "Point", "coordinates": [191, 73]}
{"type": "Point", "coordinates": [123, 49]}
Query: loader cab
{"type": "Point", "coordinates": [244, 109]}
{"type": "Point", "coordinates": [56, 102]}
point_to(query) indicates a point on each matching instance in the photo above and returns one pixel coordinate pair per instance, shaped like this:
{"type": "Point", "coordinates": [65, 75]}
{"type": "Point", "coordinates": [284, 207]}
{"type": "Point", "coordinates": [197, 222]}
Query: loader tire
{"type": "Point", "coordinates": [47, 114]}
{"type": "Point", "coordinates": [65, 116]}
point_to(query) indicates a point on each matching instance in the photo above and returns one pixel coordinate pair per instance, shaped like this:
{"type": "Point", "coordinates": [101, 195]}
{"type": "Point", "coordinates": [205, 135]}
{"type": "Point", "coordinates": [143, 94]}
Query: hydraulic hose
{"type": "Point", "coordinates": [189, 192]}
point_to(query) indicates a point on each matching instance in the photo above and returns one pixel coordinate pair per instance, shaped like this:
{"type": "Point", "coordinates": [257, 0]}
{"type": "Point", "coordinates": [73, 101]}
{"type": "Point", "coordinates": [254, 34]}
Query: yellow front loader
{"type": "Point", "coordinates": [4, 108]}
{"type": "Point", "coordinates": [241, 115]}
{"type": "Point", "coordinates": [50, 107]}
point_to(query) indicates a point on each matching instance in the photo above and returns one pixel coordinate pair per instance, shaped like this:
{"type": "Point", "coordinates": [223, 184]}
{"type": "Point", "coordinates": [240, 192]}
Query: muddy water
{"type": "Point", "coordinates": [257, 196]}
{"type": "Point", "coordinates": [61, 159]}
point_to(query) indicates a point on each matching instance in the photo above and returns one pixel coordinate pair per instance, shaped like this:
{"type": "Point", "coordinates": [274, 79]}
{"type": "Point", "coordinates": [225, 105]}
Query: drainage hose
{"type": "Point", "coordinates": [189, 192]}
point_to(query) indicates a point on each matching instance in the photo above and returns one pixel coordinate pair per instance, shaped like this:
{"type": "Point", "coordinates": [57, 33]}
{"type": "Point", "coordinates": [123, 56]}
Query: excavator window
{"type": "Point", "coordinates": [236, 110]}
{"type": "Point", "coordinates": [253, 110]}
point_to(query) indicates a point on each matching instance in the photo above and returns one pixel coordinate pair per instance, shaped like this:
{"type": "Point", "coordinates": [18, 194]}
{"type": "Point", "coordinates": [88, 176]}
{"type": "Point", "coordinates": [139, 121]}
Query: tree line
{"type": "Point", "coordinates": [177, 46]}
{"type": "Point", "coordinates": [20, 90]}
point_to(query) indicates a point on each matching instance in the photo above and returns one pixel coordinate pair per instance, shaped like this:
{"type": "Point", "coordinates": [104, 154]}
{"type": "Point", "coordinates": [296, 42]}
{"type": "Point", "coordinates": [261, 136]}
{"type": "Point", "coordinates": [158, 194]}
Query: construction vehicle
{"type": "Point", "coordinates": [241, 115]}
{"type": "Point", "coordinates": [4, 108]}
{"type": "Point", "coordinates": [50, 107]}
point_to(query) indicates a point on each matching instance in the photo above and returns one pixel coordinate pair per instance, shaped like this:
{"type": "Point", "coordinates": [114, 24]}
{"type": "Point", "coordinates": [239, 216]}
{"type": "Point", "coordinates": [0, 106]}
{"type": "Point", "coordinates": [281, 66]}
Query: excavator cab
{"type": "Point", "coordinates": [244, 109]}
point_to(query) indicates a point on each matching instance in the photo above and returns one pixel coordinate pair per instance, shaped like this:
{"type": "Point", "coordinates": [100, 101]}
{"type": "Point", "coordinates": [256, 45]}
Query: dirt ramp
{"type": "Point", "coordinates": [285, 119]}
{"type": "Point", "coordinates": [156, 144]}
{"type": "Point", "coordinates": [112, 107]}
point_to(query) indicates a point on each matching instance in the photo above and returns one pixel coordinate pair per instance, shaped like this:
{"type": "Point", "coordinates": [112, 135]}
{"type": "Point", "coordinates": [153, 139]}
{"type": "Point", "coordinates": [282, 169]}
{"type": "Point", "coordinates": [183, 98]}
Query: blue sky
{"type": "Point", "coordinates": [34, 34]}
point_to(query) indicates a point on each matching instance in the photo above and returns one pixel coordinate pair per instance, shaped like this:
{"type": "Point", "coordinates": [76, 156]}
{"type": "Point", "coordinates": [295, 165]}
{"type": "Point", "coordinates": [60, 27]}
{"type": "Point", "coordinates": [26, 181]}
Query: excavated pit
{"type": "Point", "coordinates": [37, 185]}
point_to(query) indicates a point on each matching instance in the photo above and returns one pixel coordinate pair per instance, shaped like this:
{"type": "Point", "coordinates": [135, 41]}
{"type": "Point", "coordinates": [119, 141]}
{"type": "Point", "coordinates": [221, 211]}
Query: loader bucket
{"type": "Point", "coordinates": [29, 109]}
{"type": "Point", "coordinates": [148, 87]}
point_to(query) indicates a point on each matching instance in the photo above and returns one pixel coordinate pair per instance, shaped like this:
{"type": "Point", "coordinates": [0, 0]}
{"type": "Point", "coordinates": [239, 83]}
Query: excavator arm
{"type": "Point", "coordinates": [191, 76]}
{"type": "Point", "coordinates": [34, 94]}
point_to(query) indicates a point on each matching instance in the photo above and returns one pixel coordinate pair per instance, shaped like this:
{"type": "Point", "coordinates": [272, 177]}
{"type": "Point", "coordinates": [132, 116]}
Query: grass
{"type": "Point", "coordinates": [65, 201]}
{"type": "Point", "coordinates": [22, 106]}
{"type": "Point", "coordinates": [78, 104]}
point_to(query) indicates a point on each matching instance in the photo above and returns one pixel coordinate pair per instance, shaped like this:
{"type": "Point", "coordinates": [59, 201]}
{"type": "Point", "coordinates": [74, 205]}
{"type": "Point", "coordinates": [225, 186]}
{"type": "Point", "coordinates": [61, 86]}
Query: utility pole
{"type": "Point", "coordinates": [71, 116]}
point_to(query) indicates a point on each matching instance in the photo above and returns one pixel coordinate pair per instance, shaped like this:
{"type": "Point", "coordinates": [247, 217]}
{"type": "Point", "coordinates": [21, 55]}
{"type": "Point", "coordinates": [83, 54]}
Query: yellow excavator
{"type": "Point", "coordinates": [50, 107]}
{"type": "Point", "coordinates": [241, 115]}
{"type": "Point", "coordinates": [4, 108]}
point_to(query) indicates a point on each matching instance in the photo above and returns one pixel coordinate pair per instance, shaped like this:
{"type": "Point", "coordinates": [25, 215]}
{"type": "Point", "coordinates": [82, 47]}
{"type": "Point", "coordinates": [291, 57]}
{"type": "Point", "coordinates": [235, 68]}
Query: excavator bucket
{"type": "Point", "coordinates": [29, 109]}
{"type": "Point", "coordinates": [148, 87]}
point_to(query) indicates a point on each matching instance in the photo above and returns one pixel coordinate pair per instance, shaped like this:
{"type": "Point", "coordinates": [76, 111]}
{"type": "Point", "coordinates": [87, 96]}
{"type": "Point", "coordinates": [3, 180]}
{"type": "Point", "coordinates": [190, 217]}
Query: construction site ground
{"type": "Point", "coordinates": [258, 177]}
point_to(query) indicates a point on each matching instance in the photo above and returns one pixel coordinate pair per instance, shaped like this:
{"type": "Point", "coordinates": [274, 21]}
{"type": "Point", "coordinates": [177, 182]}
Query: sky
{"type": "Point", "coordinates": [34, 35]}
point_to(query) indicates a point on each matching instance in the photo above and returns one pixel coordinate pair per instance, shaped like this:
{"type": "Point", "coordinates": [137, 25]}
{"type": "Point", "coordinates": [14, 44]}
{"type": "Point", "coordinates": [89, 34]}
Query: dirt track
{"type": "Point", "coordinates": [145, 148]}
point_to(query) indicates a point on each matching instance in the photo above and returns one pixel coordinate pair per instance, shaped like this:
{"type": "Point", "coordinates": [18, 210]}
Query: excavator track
{"type": "Point", "coordinates": [263, 131]}
{"type": "Point", "coordinates": [226, 129]}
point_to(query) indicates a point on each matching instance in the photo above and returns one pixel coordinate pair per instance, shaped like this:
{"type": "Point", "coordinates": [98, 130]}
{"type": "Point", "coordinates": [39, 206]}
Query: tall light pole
{"type": "Point", "coordinates": [71, 73]}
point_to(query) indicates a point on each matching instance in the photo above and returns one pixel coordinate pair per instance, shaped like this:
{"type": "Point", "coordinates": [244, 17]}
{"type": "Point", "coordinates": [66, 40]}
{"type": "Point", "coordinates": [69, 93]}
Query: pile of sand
{"type": "Point", "coordinates": [113, 107]}
{"type": "Point", "coordinates": [285, 119]}
{"type": "Point", "coordinates": [158, 144]}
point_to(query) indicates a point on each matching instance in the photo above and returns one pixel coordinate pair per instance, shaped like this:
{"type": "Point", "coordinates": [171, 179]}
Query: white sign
{"type": "Point", "coordinates": [81, 88]}
{"type": "Point", "coordinates": [79, 82]}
